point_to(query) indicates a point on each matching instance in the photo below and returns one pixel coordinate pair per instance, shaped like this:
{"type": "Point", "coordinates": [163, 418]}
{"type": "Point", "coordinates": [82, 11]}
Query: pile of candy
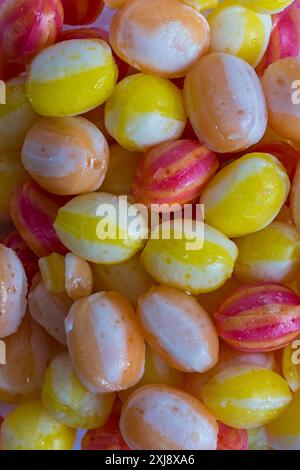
{"type": "Point", "coordinates": [157, 343]}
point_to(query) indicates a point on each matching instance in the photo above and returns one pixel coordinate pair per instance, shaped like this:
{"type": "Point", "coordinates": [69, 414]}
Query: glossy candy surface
{"type": "Point", "coordinates": [105, 344]}
{"type": "Point", "coordinates": [161, 417]}
{"type": "Point", "coordinates": [163, 38]}
{"type": "Point", "coordinates": [12, 173]}
{"type": "Point", "coordinates": [33, 212]}
{"type": "Point", "coordinates": [78, 12]}
{"type": "Point", "coordinates": [225, 102]}
{"type": "Point", "coordinates": [67, 400]}
{"type": "Point", "coordinates": [173, 172]}
{"type": "Point", "coordinates": [49, 310]}
{"type": "Point", "coordinates": [246, 195]}
{"type": "Point", "coordinates": [52, 269]}
{"type": "Point", "coordinates": [78, 277]}
{"type": "Point", "coordinates": [55, 78]}
{"type": "Point", "coordinates": [259, 317]}
{"type": "Point", "coordinates": [272, 254]}
{"type": "Point", "coordinates": [82, 226]}
{"type": "Point", "coordinates": [121, 170]}
{"type": "Point", "coordinates": [29, 260]}
{"type": "Point", "coordinates": [27, 351]}
{"type": "Point", "coordinates": [282, 96]}
{"type": "Point", "coordinates": [179, 329]}
{"type": "Point", "coordinates": [143, 111]}
{"type": "Point", "coordinates": [266, 6]}
{"type": "Point", "coordinates": [66, 155]}
{"type": "Point", "coordinates": [16, 115]}
{"type": "Point", "coordinates": [239, 31]}
{"type": "Point", "coordinates": [246, 396]}
{"type": "Point", "coordinates": [30, 427]}
{"type": "Point", "coordinates": [28, 26]}
{"type": "Point", "coordinates": [203, 268]}
{"type": "Point", "coordinates": [13, 291]}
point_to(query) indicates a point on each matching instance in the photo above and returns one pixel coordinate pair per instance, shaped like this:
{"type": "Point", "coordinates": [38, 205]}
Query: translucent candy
{"type": "Point", "coordinates": [52, 270]}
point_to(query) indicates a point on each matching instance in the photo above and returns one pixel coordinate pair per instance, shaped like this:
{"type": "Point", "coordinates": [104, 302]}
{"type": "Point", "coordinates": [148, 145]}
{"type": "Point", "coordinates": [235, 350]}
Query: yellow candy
{"type": "Point", "coordinates": [246, 396]}
{"type": "Point", "coordinates": [53, 273]}
{"type": "Point", "coordinates": [201, 4]}
{"type": "Point", "coordinates": [196, 271]}
{"type": "Point", "coordinates": [71, 77]}
{"type": "Point", "coordinates": [157, 371]}
{"type": "Point", "coordinates": [246, 195]}
{"type": "Point", "coordinates": [67, 400]}
{"type": "Point", "coordinates": [30, 427]}
{"type": "Point", "coordinates": [272, 254]}
{"type": "Point", "coordinates": [16, 116]}
{"type": "Point", "coordinates": [121, 170]}
{"type": "Point", "coordinates": [143, 111]}
{"type": "Point", "coordinates": [94, 227]}
{"type": "Point", "coordinates": [291, 366]}
{"type": "Point", "coordinates": [284, 432]}
{"type": "Point", "coordinates": [129, 279]}
{"type": "Point", "coordinates": [239, 31]}
{"type": "Point", "coordinates": [266, 6]}
{"type": "Point", "coordinates": [12, 173]}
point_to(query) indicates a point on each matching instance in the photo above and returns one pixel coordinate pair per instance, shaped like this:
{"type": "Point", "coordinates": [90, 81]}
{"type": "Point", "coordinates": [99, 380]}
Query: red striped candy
{"type": "Point", "coordinates": [259, 317]}
{"type": "Point", "coordinates": [33, 212]}
{"type": "Point", "coordinates": [285, 37]}
{"type": "Point", "coordinates": [174, 172]}
{"type": "Point", "coordinates": [27, 26]}
{"type": "Point", "coordinates": [78, 12]}
{"type": "Point", "coordinates": [231, 439]}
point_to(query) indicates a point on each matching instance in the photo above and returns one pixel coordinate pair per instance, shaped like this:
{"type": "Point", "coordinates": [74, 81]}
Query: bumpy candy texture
{"type": "Point", "coordinates": [285, 37]}
{"type": "Point", "coordinates": [27, 27]}
{"type": "Point", "coordinates": [94, 236]}
{"type": "Point", "coordinates": [284, 432]}
{"type": "Point", "coordinates": [259, 317]}
{"type": "Point", "coordinates": [67, 400]}
{"type": "Point", "coordinates": [58, 73]}
{"type": "Point", "coordinates": [271, 254]}
{"type": "Point", "coordinates": [33, 212]}
{"type": "Point", "coordinates": [246, 195]}
{"type": "Point", "coordinates": [179, 329]}
{"type": "Point", "coordinates": [225, 102]}
{"type": "Point", "coordinates": [30, 427]}
{"type": "Point", "coordinates": [201, 269]}
{"type": "Point", "coordinates": [143, 111]}
{"type": "Point", "coordinates": [79, 12]}
{"type": "Point", "coordinates": [246, 396]}
{"type": "Point", "coordinates": [29, 260]}
{"type": "Point", "coordinates": [173, 172]}
{"type": "Point", "coordinates": [282, 96]}
{"type": "Point", "coordinates": [239, 31]}
{"type": "Point", "coordinates": [16, 116]}
{"type": "Point", "coordinates": [12, 173]}
{"type": "Point", "coordinates": [105, 344]}
{"type": "Point", "coordinates": [66, 156]}
{"type": "Point", "coordinates": [163, 38]}
{"type": "Point", "coordinates": [160, 417]}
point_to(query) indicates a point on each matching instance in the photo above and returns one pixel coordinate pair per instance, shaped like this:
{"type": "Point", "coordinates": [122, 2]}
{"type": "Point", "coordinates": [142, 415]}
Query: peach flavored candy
{"type": "Point", "coordinates": [66, 156]}
{"type": "Point", "coordinates": [78, 12]}
{"type": "Point", "coordinates": [259, 317]}
{"type": "Point", "coordinates": [225, 102]}
{"type": "Point", "coordinates": [28, 26]}
{"type": "Point", "coordinates": [29, 260]}
{"type": "Point", "coordinates": [30, 427]}
{"type": "Point", "coordinates": [161, 38]}
{"type": "Point", "coordinates": [13, 291]}
{"type": "Point", "coordinates": [33, 212]}
{"type": "Point", "coordinates": [105, 344]}
{"type": "Point", "coordinates": [161, 417]}
{"type": "Point", "coordinates": [79, 280]}
{"type": "Point", "coordinates": [28, 351]}
{"type": "Point", "coordinates": [179, 329]}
